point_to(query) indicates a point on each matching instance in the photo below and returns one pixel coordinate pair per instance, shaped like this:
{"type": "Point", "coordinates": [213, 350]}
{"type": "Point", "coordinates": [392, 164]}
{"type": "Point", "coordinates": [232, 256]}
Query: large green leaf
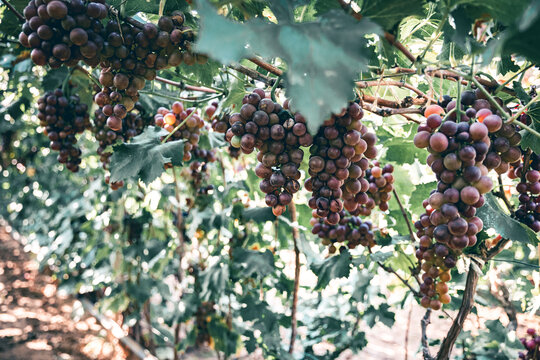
{"type": "Point", "coordinates": [251, 262]}
{"type": "Point", "coordinates": [145, 156]}
{"type": "Point", "coordinates": [388, 13]}
{"type": "Point", "coordinates": [331, 268]}
{"type": "Point", "coordinates": [214, 281]}
{"type": "Point", "coordinates": [323, 57]}
{"type": "Point", "coordinates": [494, 217]}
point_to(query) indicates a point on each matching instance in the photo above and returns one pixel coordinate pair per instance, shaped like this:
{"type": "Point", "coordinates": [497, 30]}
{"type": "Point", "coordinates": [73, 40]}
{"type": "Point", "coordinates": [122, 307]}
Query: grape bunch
{"type": "Point", "coordinates": [532, 344]}
{"type": "Point", "coordinates": [528, 188]}
{"type": "Point", "coordinates": [457, 152]}
{"type": "Point", "coordinates": [221, 125]}
{"type": "Point", "coordinates": [118, 97]}
{"type": "Point", "coordinates": [350, 230]}
{"type": "Point", "coordinates": [380, 189]}
{"type": "Point", "coordinates": [337, 165]}
{"type": "Point", "coordinates": [64, 32]}
{"type": "Point", "coordinates": [132, 125]}
{"type": "Point", "coordinates": [187, 123]}
{"type": "Point", "coordinates": [63, 118]}
{"type": "Point", "coordinates": [503, 147]}
{"type": "Point", "coordinates": [278, 135]}
{"type": "Point", "coordinates": [436, 260]}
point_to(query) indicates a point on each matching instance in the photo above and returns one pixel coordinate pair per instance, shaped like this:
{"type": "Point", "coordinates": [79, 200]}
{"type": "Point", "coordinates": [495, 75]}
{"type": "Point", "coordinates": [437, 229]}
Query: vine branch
{"type": "Point", "coordinates": [404, 214]}
{"type": "Point", "coordinates": [296, 235]}
{"type": "Point", "coordinates": [425, 345]}
{"type": "Point", "coordinates": [253, 74]}
{"type": "Point", "coordinates": [367, 84]}
{"type": "Point", "coordinates": [185, 86]}
{"type": "Point", "coordinates": [15, 11]}
{"type": "Point", "coordinates": [266, 66]}
{"type": "Point", "coordinates": [388, 269]}
{"type": "Point", "coordinates": [464, 310]}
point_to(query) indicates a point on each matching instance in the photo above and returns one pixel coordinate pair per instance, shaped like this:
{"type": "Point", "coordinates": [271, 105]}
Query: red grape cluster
{"type": "Point", "coordinates": [503, 147]}
{"type": "Point", "coordinates": [380, 189]}
{"type": "Point", "coordinates": [64, 32]}
{"type": "Point", "coordinates": [221, 124]}
{"type": "Point", "coordinates": [337, 164]}
{"type": "Point", "coordinates": [532, 344]}
{"type": "Point", "coordinates": [457, 152]}
{"type": "Point", "coordinates": [132, 125]}
{"type": "Point", "coordinates": [278, 135]}
{"type": "Point", "coordinates": [350, 230]}
{"type": "Point", "coordinates": [118, 97]}
{"type": "Point", "coordinates": [528, 211]}
{"type": "Point", "coordinates": [187, 123]}
{"type": "Point", "coordinates": [62, 119]}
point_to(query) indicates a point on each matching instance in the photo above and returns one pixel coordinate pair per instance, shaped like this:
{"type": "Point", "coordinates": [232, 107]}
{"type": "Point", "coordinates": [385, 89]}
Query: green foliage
{"type": "Point", "coordinates": [145, 156]}
{"type": "Point", "coordinates": [494, 217]}
{"type": "Point", "coordinates": [226, 251]}
{"type": "Point", "coordinates": [303, 46]}
{"type": "Point", "coordinates": [390, 13]}
{"type": "Point", "coordinates": [332, 268]}
{"type": "Point", "coordinates": [495, 342]}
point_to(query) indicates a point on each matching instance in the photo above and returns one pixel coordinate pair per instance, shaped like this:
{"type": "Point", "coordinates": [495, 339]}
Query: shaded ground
{"type": "Point", "coordinates": [36, 321]}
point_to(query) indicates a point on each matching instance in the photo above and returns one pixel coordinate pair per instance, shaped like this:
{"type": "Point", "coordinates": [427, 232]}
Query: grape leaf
{"type": "Point", "coordinates": [250, 262]}
{"type": "Point", "coordinates": [145, 156]}
{"type": "Point", "coordinates": [403, 151]}
{"type": "Point", "coordinates": [323, 56]}
{"type": "Point", "coordinates": [420, 193]}
{"type": "Point", "coordinates": [388, 13]}
{"type": "Point", "coordinates": [331, 268]}
{"type": "Point", "coordinates": [131, 7]}
{"type": "Point", "coordinates": [494, 217]}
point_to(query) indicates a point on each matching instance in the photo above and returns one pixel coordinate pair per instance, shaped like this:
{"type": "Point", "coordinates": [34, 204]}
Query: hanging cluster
{"type": "Point", "coordinates": [458, 151]}
{"type": "Point", "coordinates": [63, 118]}
{"type": "Point", "coordinates": [64, 33]}
{"type": "Point", "coordinates": [183, 124]}
{"type": "Point", "coordinates": [350, 232]}
{"type": "Point", "coordinates": [267, 126]}
{"type": "Point", "coordinates": [132, 125]}
{"type": "Point", "coordinates": [337, 164]}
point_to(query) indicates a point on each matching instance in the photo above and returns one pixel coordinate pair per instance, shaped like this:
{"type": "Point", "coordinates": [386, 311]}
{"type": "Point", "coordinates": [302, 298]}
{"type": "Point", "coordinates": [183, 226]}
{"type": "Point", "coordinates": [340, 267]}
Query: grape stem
{"type": "Point", "coordinates": [451, 74]}
{"type": "Point", "coordinates": [389, 269]}
{"type": "Point", "coordinates": [500, 194]}
{"type": "Point", "coordinates": [367, 84]}
{"type": "Point", "coordinates": [254, 74]}
{"type": "Point", "coordinates": [522, 109]}
{"type": "Point", "coordinates": [499, 107]}
{"type": "Point", "coordinates": [187, 87]}
{"type": "Point", "coordinates": [15, 11]}
{"type": "Point", "coordinates": [177, 127]}
{"type": "Point", "coordinates": [295, 235]}
{"type": "Point", "coordinates": [266, 66]}
{"type": "Point", "coordinates": [406, 102]}
{"type": "Point", "coordinates": [404, 214]}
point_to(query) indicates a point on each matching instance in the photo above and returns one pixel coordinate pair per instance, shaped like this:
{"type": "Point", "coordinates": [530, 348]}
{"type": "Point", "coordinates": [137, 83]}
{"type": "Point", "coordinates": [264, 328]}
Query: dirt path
{"type": "Point", "coordinates": [35, 321]}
